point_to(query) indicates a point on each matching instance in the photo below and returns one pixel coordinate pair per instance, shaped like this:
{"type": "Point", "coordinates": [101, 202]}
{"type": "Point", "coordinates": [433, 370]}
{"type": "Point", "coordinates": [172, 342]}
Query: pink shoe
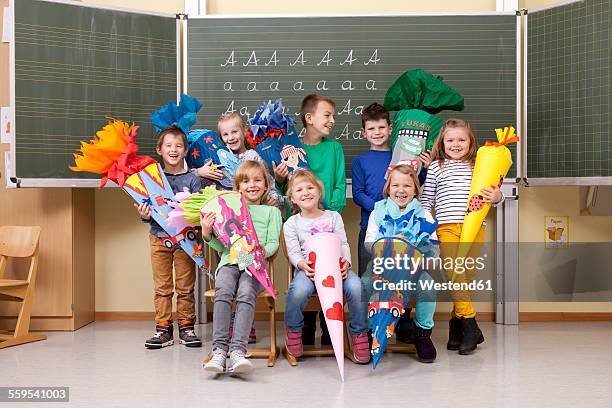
{"type": "Point", "coordinates": [253, 335]}
{"type": "Point", "coordinates": [293, 341]}
{"type": "Point", "coordinates": [361, 348]}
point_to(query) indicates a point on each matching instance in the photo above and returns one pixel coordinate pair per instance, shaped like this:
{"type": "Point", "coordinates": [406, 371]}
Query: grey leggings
{"type": "Point", "coordinates": [231, 283]}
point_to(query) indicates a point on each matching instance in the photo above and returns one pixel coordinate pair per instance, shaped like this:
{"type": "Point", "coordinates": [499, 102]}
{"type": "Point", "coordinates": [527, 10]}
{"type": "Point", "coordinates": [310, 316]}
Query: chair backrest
{"type": "Point", "coordinates": [283, 246]}
{"type": "Point", "coordinates": [18, 242]}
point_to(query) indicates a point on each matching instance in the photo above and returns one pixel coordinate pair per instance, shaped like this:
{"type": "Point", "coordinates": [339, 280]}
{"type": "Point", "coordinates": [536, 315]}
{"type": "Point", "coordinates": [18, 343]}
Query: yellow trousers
{"type": "Point", "coordinates": [449, 235]}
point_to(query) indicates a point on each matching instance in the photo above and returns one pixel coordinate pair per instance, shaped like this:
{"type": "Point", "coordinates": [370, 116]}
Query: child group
{"type": "Point", "coordinates": [316, 197]}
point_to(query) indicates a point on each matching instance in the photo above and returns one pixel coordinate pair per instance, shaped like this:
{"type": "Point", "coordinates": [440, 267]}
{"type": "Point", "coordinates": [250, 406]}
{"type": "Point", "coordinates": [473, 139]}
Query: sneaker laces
{"type": "Point", "coordinates": [159, 334]}
{"type": "Point", "coordinates": [217, 357]}
{"type": "Point", "coordinates": [237, 356]}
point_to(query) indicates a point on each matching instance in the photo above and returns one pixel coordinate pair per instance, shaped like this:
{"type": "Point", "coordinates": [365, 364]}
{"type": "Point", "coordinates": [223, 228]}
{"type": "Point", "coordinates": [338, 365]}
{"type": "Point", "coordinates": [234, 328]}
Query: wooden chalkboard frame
{"type": "Point", "coordinates": [514, 179]}
{"type": "Point", "coordinates": [547, 181]}
{"type": "Point", "coordinates": [11, 179]}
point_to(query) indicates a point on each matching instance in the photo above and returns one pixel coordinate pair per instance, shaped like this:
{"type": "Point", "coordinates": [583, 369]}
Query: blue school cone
{"type": "Point", "coordinates": [386, 306]}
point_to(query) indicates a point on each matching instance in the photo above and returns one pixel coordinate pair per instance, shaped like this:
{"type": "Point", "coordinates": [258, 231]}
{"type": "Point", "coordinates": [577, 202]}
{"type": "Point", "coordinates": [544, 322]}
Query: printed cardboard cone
{"type": "Point", "coordinates": [325, 249]}
{"type": "Point", "coordinates": [234, 228]}
{"type": "Point", "coordinates": [493, 160]}
{"type": "Point", "coordinates": [385, 306]}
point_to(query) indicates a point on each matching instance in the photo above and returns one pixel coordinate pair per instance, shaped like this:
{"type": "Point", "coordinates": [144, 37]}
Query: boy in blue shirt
{"type": "Point", "coordinates": [368, 176]}
{"type": "Point", "coordinates": [369, 168]}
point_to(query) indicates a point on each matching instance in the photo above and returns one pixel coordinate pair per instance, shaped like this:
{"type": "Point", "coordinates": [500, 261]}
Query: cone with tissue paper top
{"type": "Point", "coordinates": [493, 160]}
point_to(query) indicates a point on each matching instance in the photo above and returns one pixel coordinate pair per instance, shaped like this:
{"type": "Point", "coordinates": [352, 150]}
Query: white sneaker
{"type": "Point", "coordinates": [239, 363]}
{"type": "Point", "coordinates": [217, 362]}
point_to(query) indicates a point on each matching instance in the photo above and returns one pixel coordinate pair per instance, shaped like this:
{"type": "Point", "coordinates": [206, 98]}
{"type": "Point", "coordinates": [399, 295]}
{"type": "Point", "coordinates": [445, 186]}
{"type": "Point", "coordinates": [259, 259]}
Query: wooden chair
{"type": "Point", "coordinates": [313, 306]}
{"type": "Point", "coordinates": [271, 353]}
{"type": "Point", "coordinates": [19, 242]}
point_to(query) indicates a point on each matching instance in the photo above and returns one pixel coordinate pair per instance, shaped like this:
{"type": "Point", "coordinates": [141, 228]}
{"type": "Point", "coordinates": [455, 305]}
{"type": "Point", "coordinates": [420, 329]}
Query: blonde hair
{"type": "Point", "coordinates": [226, 117]}
{"type": "Point", "coordinates": [404, 169]}
{"type": "Point", "coordinates": [309, 176]}
{"type": "Point", "coordinates": [438, 153]}
{"type": "Point", "coordinates": [246, 170]}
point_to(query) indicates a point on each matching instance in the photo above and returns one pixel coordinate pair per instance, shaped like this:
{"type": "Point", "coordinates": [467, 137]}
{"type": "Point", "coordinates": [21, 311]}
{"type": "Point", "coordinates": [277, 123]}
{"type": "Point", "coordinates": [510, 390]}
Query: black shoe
{"type": "Point", "coordinates": [472, 336]}
{"type": "Point", "coordinates": [455, 334]}
{"type": "Point", "coordinates": [325, 339]}
{"type": "Point", "coordinates": [405, 328]}
{"type": "Point", "coordinates": [187, 335]}
{"type": "Point", "coordinates": [426, 351]}
{"type": "Point", "coordinates": [308, 331]}
{"type": "Point", "coordinates": [370, 338]}
{"type": "Point", "coordinates": [163, 337]}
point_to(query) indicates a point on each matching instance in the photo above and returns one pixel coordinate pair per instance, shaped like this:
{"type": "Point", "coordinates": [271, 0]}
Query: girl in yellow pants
{"type": "Point", "coordinates": [445, 193]}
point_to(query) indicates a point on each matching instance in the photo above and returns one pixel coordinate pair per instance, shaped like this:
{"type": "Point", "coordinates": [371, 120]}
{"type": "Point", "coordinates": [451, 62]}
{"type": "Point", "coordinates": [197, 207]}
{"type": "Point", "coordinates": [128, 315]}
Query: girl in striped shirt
{"type": "Point", "coordinates": [446, 191]}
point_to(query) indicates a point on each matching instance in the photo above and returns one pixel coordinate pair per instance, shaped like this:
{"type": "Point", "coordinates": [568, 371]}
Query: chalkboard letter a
{"type": "Point", "coordinates": [325, 60]}
{"type": "Point", "coordinates": [231, 60]}
{"type": "Point", "coordinates": [349, 59]}
{"type": "Point", "coordinates": [253, 60]}
{"type": "Point", "coordinates": [374, 59]}
{"type": "Point", "coordinates": [300, 59]}
{"type": "Point", "coordinates": [273, 59]}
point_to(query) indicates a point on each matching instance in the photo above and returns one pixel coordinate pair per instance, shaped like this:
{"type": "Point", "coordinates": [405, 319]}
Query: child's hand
{"type": "Point", "coordinates": [344, 268]}
{"type": "Point", "coordinates": [425, 157]}
{"type": "Point", "coordinates": [207, 220]}
{"type": "Point", "coordinates": [491, 195]}
{"type": "Point", "coordinates": [272, 202]}
{"type": "Point", "coordinates": [206, 172]}
{"type": "Point", "coordinates": [144, 210]}
{"type": "Point", "coordinates": [281, 172]}
{"type": "Point", "coordinates": [305, 266]}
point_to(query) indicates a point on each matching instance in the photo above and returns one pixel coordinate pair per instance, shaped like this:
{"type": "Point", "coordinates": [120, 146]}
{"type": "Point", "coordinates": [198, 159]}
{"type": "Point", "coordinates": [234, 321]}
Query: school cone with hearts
{"type": "Point", "coordinates": [324, 250]}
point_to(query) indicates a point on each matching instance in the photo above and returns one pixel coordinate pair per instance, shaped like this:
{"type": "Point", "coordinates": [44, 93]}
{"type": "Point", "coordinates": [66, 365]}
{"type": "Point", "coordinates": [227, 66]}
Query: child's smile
{"type": "Point", "coordinates": [401, 189]}
{"type": "Point", "coordinates": [305, 195]}
{"type": "Point", "coordinates": [323, 118]}
{"type": "Point", "coordinates": [253, 188]}
{"type": "Point", "coordinates": [172, 151]}
{"type": "Point", "coordinates": [232, 135]}
{"type": "Point", "coordinates": [456, 143]}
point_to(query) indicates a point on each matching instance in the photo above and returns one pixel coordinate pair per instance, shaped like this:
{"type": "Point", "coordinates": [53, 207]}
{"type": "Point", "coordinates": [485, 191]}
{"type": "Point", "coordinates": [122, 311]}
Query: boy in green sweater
{"type": "Point", "coordinates": [326, 160]}
{"type": "Point", "coordinates": [325, 155]}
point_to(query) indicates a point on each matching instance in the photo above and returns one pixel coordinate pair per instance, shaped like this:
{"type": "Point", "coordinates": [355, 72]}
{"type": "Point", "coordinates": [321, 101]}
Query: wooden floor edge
{"type": "Point", "coordinates": [439, 316]}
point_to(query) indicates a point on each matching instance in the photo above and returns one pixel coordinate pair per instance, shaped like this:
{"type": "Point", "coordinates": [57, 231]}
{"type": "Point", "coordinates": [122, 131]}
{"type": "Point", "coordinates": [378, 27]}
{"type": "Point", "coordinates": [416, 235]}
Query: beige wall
{"type": "Point", "coordinates": [123, 281]}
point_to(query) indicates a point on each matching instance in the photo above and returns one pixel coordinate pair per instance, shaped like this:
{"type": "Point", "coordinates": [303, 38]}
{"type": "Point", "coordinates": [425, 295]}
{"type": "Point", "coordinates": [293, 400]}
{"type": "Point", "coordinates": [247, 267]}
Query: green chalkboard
{"type": "Point", "coordinates": [569, 91]}
{"type": "Point", "coordinates": [237, 63]}
{"type": "Point", "coordinates": [74, 66]}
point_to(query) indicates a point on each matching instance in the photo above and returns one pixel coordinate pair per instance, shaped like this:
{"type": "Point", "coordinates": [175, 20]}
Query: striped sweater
{"type": "Point", "coordinates": [446, 191]}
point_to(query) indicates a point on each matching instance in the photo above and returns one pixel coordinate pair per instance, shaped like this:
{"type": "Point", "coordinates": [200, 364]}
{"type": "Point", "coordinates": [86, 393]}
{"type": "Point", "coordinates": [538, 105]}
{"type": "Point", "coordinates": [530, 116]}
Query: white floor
{"type": "Point", "coordinates": [531, 365]}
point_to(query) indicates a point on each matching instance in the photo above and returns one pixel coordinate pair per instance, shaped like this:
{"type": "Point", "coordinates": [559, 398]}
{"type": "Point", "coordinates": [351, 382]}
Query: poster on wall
{"type": "Point", "coordinates": [556, 232]}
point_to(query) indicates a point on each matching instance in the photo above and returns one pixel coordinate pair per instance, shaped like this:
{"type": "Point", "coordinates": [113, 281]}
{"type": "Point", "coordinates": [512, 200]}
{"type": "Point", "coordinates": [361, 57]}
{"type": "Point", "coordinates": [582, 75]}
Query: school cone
{"type": "Point", "coordinates": [325, 250]}
{"type": "Point", "coordinates": [493, 160]}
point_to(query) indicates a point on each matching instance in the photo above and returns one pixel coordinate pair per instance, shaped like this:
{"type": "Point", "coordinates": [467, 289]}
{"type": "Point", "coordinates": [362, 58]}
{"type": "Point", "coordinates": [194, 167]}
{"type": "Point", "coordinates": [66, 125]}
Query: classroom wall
{"type": "Point", "coordinates": [123, 281]}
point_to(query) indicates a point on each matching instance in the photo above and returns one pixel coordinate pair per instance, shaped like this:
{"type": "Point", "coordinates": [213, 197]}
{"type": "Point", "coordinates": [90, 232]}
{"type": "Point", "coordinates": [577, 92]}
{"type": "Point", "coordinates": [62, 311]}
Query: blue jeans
{"type": "Point", "coordinates": [425, 304]}
{"type": "Point", "coordinates": [302, 288]}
